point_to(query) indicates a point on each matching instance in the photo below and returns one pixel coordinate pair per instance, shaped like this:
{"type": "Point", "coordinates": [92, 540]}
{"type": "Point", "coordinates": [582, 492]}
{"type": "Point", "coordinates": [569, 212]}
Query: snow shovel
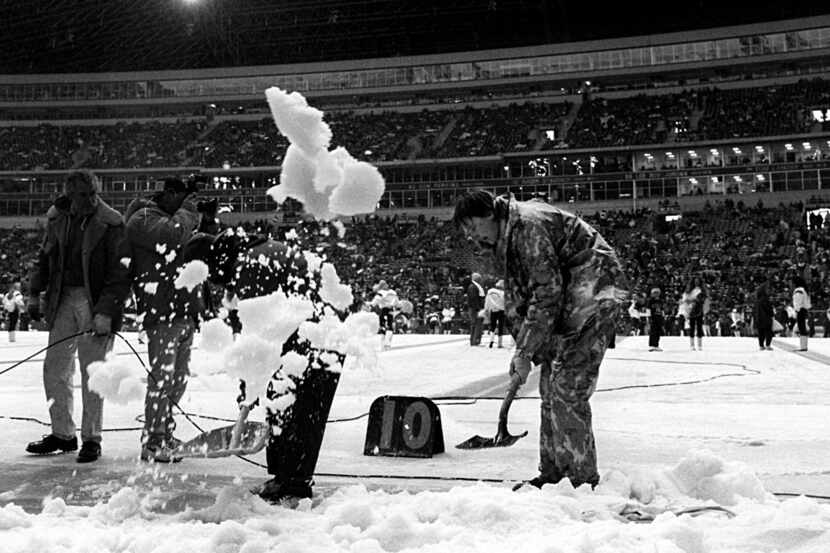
{"type": "Point", "coordinates": [241, 438]}
{"type": "Point", "coordinates": [480, 442]}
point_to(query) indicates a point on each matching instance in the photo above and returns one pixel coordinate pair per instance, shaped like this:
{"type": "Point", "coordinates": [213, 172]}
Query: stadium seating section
{"type": "Point", "coordinates": [428, 262]}
{"type": "Point", "coordinates": [691, 115]}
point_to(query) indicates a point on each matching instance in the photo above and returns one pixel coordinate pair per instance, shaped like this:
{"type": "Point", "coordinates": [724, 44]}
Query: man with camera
{"type": "Point", "coordinates": [157, 230]}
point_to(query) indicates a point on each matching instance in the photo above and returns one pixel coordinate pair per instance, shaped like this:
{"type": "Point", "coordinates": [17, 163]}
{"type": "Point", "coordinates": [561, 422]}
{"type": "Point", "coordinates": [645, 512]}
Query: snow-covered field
{"type": "Point", "coordinates": [748, 424]}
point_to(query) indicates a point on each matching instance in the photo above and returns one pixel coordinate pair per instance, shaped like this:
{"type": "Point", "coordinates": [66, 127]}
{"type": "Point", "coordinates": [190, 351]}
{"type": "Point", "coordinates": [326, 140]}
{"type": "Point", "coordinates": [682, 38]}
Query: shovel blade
{"type": "Point", "coordinates": [217, 442]}
{"type": "Point", "coordinates": [480, 442]}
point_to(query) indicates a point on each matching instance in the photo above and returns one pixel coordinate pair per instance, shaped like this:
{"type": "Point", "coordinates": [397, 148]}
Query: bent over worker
{"type": "Point", "coordinates": [563, 288]}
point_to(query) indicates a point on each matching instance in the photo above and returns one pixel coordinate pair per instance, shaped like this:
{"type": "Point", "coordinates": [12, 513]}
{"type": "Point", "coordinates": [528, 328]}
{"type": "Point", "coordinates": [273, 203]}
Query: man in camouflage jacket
{"type": "Point", "coordinates": [563, 288]}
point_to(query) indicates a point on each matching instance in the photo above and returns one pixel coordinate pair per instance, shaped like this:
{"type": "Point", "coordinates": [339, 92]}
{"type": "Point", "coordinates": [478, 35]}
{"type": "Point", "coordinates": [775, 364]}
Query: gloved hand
{"type": "Point", "coordinates": [520, 365]}
{"type": "Point", "coordinates": [102, 324]}
{"type": "Point", "coordinates": [33, 308]}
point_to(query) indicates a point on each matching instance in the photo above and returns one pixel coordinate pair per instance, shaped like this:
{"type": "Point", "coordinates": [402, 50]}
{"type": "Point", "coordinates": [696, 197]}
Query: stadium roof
{"type": "Point", "coordinates": [57, 36]}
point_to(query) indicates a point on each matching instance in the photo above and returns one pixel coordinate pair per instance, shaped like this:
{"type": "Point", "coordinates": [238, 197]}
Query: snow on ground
{"type": "Point", "coordinates": [756, 424]}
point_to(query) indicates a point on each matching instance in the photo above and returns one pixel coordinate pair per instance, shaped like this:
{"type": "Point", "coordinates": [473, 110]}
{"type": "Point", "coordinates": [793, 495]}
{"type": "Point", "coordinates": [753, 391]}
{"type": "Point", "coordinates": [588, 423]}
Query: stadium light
{"type": "Point", "coordinates": [806, 145]}
{"type": "Point", "coordinates": [788, 146]}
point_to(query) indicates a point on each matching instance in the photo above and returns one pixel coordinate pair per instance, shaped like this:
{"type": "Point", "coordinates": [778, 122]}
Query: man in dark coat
{"type": "Point", "coordinates": [157, 231]}
{"type": "Point", "coordinates": [764, 314]}
{"type": "Point", "coordinates": [251, 266]}
{"type": "Point", "coordinates": [563, 288]}
{"type": "Point", "coordinates": [78, 269]}
{"type": "Point", "coordinates": [475, 303]}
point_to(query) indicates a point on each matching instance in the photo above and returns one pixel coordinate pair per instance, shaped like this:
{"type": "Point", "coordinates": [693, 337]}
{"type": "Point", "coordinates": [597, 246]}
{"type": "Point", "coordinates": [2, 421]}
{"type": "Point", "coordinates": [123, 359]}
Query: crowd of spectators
{"type": "Point", "coordinates": [122, 145]}
{"type": "Point", "coordinates": [732, 246]}
{"type": "Point", "coordinates": [692, 115]}
{"type": "Point", "coordinates": [699, 114]}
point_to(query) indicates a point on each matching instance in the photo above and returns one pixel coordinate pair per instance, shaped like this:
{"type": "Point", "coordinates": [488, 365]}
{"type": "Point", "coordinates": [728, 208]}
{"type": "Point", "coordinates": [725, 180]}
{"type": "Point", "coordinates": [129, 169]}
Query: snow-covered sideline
{"type": "Point", "coordinates": [729, 441]}
{"type": "Point", "coordinates": [476, 518]}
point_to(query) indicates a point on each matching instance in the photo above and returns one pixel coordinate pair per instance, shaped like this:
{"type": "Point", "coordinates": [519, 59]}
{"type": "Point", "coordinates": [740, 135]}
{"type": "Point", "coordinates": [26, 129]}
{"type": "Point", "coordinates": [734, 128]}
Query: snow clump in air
{"type": "Point", "coordinates": [192, 274]}
{"type": "Point", "coordinates": [115, 380]}
{"type": "Point", "coordinates": [328, 182]}
{"type": "Point", "coordinates": [331, 291]}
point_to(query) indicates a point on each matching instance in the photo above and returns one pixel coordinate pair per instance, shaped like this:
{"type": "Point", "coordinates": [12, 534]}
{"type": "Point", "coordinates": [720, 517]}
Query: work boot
{"type": "Point", "coordinates": [51, 444]}
{"type": "Point", "coordinates": [536, 482]}
{"type": "Point", "coordinates": [275, 490]}
{"type": "Point", "coordinates": [158, 453]}
{"type": "Point", "coordinates": [90, 451]}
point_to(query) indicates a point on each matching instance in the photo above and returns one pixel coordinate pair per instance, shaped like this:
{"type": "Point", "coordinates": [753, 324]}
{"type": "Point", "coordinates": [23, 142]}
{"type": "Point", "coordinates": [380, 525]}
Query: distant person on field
{"type": "Point", "coordinates": [13, 304]}
{"type": "Point", "coordinates": [801, 304]}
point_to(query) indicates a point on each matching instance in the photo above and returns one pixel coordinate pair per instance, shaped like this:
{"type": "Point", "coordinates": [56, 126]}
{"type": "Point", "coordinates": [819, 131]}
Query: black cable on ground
{"type": "Point", "coordinates": [455, 400]}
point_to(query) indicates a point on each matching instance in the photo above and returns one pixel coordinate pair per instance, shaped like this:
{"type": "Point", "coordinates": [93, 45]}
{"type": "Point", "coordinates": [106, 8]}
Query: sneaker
{"type": "Point", "coordinates": [90, 451]}
{"type": "Point", "coordinates": [276, 491]}
{"type": "Point", "coordinates": [51, 444]}
{"type": "Point", "coordinates": [769, 348]}
{"type": "Point", "coordinates": [693, 348]}
{"type": "Point", "coordinates": [153, 453]}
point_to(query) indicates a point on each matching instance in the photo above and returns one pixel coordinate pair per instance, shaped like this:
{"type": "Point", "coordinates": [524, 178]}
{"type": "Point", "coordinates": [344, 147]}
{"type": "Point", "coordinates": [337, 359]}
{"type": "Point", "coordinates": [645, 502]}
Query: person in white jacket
{"type": "Point", "coordinates": [638, 313]}
{"type": "Point", "coordinates": [801, 304]}
{"type": "Point", "coordinates": [494, 309]}
{"type": "Point", "coordinates": [383, 303]}
{"type": "Point", "coordinates": [13, 304]}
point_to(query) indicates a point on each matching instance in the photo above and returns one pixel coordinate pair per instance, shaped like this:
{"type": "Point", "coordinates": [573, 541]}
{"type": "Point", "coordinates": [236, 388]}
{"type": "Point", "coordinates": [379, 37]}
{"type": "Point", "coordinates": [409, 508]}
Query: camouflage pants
{"type": "Point", "coordinates": [566, 439]}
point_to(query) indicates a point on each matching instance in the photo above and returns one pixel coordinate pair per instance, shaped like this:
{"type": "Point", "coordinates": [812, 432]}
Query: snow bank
{"type": "Point", "coordinates": [117, 379]}
{"type": "Point", "coordinates": [478, 518]}
{"type": "Point", "coordinates": [701, 475]}
{"type": "Point", "coordinates": [328, 182]}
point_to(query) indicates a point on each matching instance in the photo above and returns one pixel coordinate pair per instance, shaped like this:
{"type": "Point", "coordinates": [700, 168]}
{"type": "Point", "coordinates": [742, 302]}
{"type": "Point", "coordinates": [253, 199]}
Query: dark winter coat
{"type": "Point", "coordinates": [475, 301]}
{"type": "Point", "coordinates": [763, 311]}
{"type": "Point", "coordinates": [105, 277]}
{"type": "Point", "coordinates": [154, 245]}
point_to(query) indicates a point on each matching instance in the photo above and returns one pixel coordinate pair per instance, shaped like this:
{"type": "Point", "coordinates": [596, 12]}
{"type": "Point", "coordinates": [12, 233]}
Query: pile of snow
{"type": "Point", "coordinates": [699, 476]}
{"type": "Point", "coordinates": [355, 337]}
{"type": "Point", "coordinates": [117, 379]}
{"type": "Point", "coordinates": [478, 518]}
{"type": "Point", "coordinates": [255, 356]}
{"type": "Point", "coordinates": [328, 182]}
{"type": "Point", "coordinates": [217, 336]}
